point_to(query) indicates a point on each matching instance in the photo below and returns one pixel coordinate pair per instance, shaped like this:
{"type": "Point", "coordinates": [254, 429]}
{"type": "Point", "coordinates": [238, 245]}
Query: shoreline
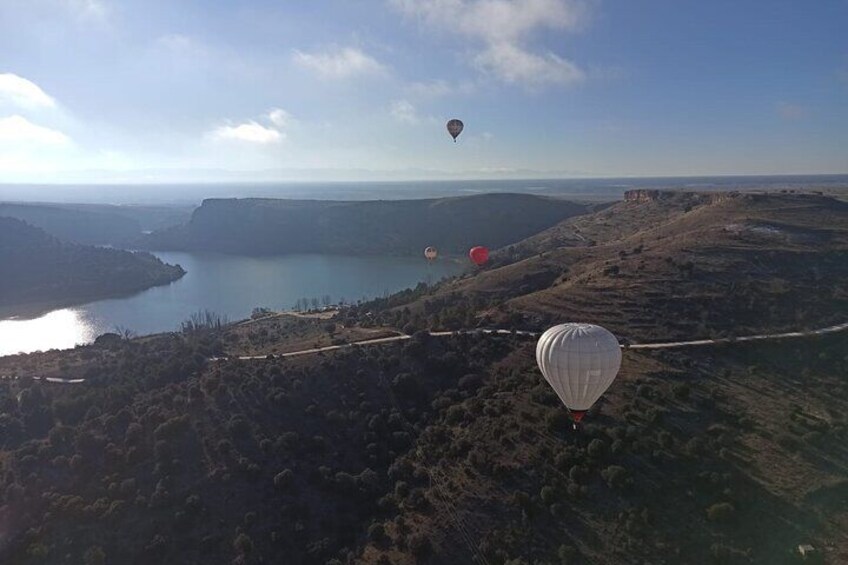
{"type": "Point", "coordinates": [34, 310]}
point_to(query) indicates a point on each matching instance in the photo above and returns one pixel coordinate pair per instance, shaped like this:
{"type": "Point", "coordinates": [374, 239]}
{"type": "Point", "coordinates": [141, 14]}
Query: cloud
{"type": "Point", "coordinates": [513, 64]}
{"type": "Point", "coordinates": [180, 45]}
{"type": "Point", "coordinates": [279, 117]}
{"type": "Point", "coordinates": [503, 27]}
{"type": "Point", "coordinates": [95, 10]}
{"type": "Point", "coordinates": [23, 93]}
{"type": "Point", "coordinates": [339, 63]}
{"type": "Point", "coordinates": [404, 112]}
{"type": "Point", "coordinates": [437, 88]}
{"type": "Point", "coordinates": [250, 132]}
{"type": "Point", "coordinates": [789, 111]}
{"type": "Point", "coordinates": [17, 129]}
{"type": "Point", "coordinates": [496, 20]}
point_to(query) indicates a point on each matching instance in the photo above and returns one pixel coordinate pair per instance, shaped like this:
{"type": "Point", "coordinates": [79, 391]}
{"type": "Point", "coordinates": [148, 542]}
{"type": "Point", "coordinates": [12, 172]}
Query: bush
{"type": "Point", "coordinates": [420, 545]}
{"type": "Point", "coordinates": [721, 512]}
{"type": "Point", "coordinates": [376, 532]}
{"type": "Point", "coordinates": [597, 448]}
{"type": "Point", "coordinates": [243, 544]}
{"type": "Point", "coordinates": [615, 476]}
{"type": "Point", "coordinates": [567, 554]}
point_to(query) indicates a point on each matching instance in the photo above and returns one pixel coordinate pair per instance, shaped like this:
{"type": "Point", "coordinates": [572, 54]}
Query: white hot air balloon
{"type": "Point", "coordinates": [579, 361]}
{"type": "Point", "coordinates": [431, 253]}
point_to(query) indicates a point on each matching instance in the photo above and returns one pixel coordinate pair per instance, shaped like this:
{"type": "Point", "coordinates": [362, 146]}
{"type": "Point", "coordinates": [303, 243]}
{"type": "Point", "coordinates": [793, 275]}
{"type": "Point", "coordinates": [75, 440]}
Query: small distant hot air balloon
{"type": "Point", "coordinates": [580, 362]}
{"type": "Point", "coordinates": [431, 253]}
{"type": "Point", "coordinates": [479, 255]}
{"type": "Point", "coordinates": [455, 128]}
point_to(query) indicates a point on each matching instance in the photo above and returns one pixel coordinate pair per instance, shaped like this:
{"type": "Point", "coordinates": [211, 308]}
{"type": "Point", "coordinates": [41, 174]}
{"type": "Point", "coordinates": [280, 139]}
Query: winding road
{"type": "Point", "coordinates": [665, 345]}
{"type": "Point", "coordinates": [403, 337]}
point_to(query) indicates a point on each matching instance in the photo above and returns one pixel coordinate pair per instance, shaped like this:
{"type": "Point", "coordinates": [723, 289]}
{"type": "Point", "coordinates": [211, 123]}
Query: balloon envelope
{"type": "Point", "coordinates": [479, 255]}
{"type": "Point", "coordinates": [579, 361]}
{"type": "Point", "coordinates": [455, 128]}
{"type": "Point", "coordinates": [431, 253]}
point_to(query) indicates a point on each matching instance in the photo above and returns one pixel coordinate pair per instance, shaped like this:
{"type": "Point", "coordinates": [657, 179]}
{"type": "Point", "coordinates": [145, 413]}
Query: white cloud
{"type": "Point", "coordinates": [180, 45]}
{"type": "Point", "coordinates": [17, 129]}
{"type": "Point", "coordinates": [339, 63]}
{"type": "Point", "coordinates": [513, 64]}
{"type": "Point", "coordinates": [503, 26]}
{"type": "Point", "coordinates": [789, 111]}
{"type": "Point", "coordinates": [404, 112]}
{"type": "Point", "coordinates": [496, 20]}
{"type": "Point", "coordinates": [23, 92]}
{"type": "Point", "coordinates": [95, 10]}
{"type": "Point", "coordinates": [250, 132]}
{"type": "Point", "coordinates": [279, 117]}
{"type": "Point", "coordinates": [438, 88]}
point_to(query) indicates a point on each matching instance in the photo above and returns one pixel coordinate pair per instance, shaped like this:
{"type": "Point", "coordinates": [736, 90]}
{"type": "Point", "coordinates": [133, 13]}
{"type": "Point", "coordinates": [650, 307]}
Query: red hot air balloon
{"type": "Point", "coordinates": [479, 255]}
{"type": "Point", "coordinates": [455, 128]}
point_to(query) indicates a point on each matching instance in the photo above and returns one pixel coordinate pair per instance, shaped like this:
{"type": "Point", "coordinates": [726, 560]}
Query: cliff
{"type": "Point", "coordinates": [396, 227]}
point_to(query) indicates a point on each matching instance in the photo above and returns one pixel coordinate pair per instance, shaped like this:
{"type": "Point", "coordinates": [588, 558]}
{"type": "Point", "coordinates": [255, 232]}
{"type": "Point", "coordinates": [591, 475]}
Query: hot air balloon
{"type": "Point", "coordinates": [479, 255]}
{"type": "Point", "coordinates": [431, 253]}
{"type": "Point", "coordinates": [455, 128]}
{"type": "Point", "coordinates": [579, 361]}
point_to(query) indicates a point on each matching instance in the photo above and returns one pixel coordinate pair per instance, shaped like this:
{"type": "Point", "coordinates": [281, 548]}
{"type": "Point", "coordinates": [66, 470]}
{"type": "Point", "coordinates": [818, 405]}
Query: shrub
{"type": "Point", "coordinates": [420, 545]}
{"type": "Point", "coordinates": [721, 512]}
{"type": "Point", "coordinates": [548, 495]}
{"type": "Point", "coordinates": [243, 544]}
{"type": "Point", "coordinates": [376, 532]}
{"type": "Point", "coordinates": [597, 448]}
{"type": "Point", "coordinates": [615, 476]}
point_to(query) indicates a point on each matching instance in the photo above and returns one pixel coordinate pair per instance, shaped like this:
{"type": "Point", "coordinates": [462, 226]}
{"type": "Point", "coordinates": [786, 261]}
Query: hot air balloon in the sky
{"type": "Point", "coordinates": [431, 253]}
{"type": "Point", "coordinates": [478, 255]}
{"type": "Point", "coordinates": [579, 361]}
{"type": "Point", "coordinates": [455, 128]}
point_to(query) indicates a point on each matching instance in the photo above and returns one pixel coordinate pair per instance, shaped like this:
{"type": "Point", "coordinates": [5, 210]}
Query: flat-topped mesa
{"type": "Point", "coordinates": [646, 195]}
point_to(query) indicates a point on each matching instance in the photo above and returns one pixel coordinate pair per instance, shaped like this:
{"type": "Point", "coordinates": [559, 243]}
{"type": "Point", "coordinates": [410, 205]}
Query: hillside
{"type": "Point", "coordinates": [390, 227]}
{"type": "Point", "coordinates": [453, 449]}
{"type": "Point", "coordinates": [95, 224]}
{"type": "Point", "coordinates": [662, 265]}
{"type": "Point", "coordinates": [40, 271]}
{"type": "Point", "coordinates": [434, 451]}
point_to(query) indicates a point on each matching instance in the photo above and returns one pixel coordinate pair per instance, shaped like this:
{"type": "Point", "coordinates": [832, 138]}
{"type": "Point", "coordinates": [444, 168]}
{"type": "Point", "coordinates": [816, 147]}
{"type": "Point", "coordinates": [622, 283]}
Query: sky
{"type": "Point", "coordinates": [214, 90]}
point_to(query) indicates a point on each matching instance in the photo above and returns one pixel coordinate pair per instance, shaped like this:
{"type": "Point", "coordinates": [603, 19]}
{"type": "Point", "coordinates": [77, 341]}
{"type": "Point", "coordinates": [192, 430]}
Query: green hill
{"type": "Point", "coordinates": [40, 271]}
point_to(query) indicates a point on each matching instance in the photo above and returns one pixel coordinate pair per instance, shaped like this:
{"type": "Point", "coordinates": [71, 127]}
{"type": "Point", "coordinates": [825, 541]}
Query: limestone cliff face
{"type": "Point", "coordinates": [645, 195]}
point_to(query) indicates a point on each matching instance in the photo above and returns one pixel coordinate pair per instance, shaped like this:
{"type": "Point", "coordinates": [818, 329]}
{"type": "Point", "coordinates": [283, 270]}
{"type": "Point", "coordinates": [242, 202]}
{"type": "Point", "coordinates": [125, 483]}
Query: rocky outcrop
{"type": "Point", "coordinates": [647, 195]}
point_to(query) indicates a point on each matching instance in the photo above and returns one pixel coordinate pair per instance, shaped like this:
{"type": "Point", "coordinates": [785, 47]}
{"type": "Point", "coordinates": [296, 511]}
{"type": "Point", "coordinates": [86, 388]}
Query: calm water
{"type": "Point", "coordinates": [229, 285]}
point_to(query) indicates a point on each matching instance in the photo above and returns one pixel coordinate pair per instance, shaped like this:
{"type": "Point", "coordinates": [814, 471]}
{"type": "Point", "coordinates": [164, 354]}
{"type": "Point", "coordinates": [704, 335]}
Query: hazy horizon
{"type": "Point", "coordinates": [596, 189]}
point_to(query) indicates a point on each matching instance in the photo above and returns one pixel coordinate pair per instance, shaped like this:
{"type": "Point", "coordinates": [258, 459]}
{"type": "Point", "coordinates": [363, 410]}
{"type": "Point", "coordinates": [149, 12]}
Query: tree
{"type": "Point", "coordinates": [721, 512]}
{"type": "Point", "coordinates": [243, 544]}
{"type": "Point", "coordinates": [94, 555]}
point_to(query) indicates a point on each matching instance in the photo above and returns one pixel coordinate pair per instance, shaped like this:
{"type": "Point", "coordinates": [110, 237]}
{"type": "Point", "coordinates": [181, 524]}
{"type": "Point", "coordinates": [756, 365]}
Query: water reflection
{"type": "Point", "coordinates": [60, 329]}
{"type": "Point", "coordinates": [229, 285]}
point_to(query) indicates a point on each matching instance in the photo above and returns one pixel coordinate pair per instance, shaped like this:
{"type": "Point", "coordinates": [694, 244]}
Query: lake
{"type": "Point", "coordinates": [228, 285]}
